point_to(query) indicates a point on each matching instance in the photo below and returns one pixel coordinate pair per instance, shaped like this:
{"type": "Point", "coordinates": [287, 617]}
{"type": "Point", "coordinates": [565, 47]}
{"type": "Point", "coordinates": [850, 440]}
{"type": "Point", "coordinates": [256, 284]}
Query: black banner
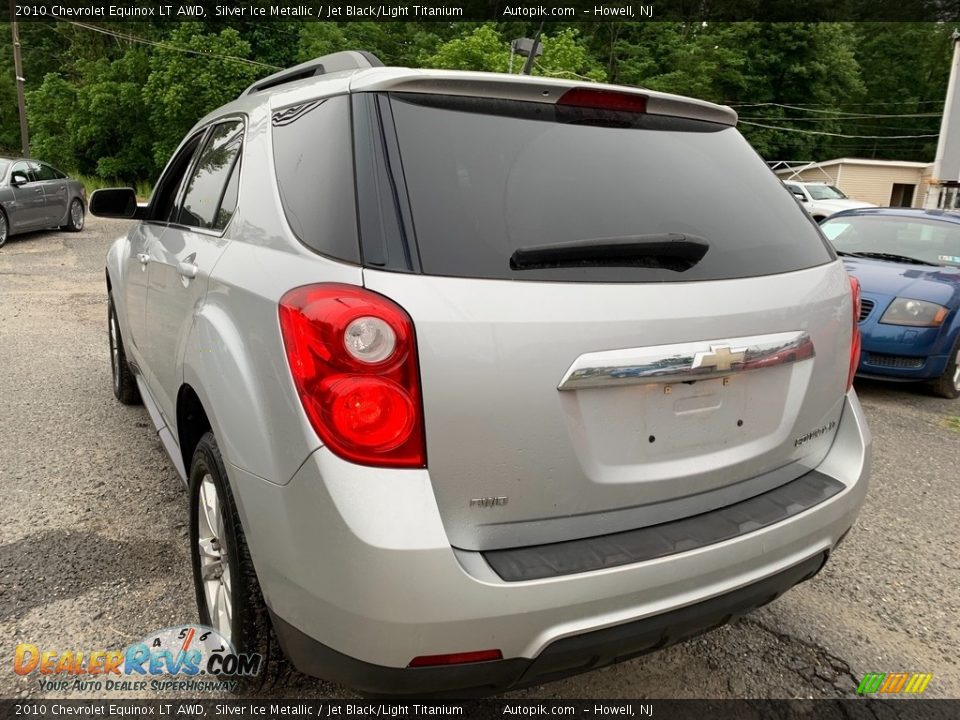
{"type": "Point", "coordinates": [852, 709]}
{"type": "Point", "coordinates": [489, 10]}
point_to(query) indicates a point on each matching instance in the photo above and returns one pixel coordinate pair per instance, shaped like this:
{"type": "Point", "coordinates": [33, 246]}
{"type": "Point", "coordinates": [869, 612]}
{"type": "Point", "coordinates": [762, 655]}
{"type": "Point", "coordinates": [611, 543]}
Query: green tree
{"type": "Point", "coordinates": [482, 49]}
{"type": "Point", "coordinates": [51, 112]}
{"type": "Point", "coordinates": [182, 88]}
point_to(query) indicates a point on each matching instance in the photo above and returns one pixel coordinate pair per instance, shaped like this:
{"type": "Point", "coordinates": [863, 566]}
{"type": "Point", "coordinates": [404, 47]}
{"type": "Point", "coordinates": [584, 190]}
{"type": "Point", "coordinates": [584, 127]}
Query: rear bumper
{"type": "Point", "coordinates": [360, 577]}
{"type": "Point", "coordinates": [569, 656]}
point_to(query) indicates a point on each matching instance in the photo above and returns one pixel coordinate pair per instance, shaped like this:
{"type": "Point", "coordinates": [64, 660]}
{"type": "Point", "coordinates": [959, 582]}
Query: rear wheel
{"type": "Point", "coordinates": [75, 217]}
{"type": "Point", "coordinates": [228, 592]}
{"type": "Point", "coordinates": [948, 384]}
{"type": "Point", "coordinates": [124, 384]}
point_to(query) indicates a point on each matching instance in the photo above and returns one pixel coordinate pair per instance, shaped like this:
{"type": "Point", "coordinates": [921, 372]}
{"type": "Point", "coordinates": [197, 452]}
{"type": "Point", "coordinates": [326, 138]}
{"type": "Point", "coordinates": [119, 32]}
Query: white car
{"type": "Point", "coordinates": [822, 200]}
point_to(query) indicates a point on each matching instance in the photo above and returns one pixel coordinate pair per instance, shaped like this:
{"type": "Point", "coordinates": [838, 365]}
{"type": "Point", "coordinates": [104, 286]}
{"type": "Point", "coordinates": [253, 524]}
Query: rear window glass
{"type": "Point", "coordinates": [488, 177]}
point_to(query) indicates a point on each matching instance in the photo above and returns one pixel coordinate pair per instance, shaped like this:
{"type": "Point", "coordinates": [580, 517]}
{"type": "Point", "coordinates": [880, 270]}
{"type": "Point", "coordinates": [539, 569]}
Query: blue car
{"type": "Point", "coordinates": [908, 264]}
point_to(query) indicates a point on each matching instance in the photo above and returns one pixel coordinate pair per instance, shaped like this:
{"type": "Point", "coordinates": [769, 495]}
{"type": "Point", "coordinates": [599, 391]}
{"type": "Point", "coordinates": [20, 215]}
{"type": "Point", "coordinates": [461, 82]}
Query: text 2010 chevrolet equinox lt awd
{"type": "Point", "coordinates": [475, 379]}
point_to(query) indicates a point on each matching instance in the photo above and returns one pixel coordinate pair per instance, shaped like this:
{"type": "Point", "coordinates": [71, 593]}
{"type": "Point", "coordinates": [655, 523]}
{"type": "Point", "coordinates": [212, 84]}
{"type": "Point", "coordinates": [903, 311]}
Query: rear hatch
{"type": "Point", "coordinates": [688, 350]}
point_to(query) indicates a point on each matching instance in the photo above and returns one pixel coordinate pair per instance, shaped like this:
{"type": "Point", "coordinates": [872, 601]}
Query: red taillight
{"type": "Point", "coordinates": [604, 100]}
{"type": "Point", "coordinates": [855, 339]}
{"type": "Point", "coordinates": [365, 411]}
{"type": "Point", "coordinates": [456, 658]}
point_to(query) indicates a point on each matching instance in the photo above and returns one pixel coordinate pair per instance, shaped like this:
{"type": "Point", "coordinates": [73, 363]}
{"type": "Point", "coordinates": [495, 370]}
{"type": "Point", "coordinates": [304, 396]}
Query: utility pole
{"type": "Point", "coordinates": [535, 50]}
{"type": "Point", "coordinates": [946, 165]}
{"type": "Point", "coordinates": [18, 69]}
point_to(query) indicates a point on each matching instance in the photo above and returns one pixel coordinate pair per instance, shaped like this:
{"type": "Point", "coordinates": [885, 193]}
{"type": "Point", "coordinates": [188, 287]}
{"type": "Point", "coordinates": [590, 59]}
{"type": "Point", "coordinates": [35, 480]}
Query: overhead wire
{"type": "Point", "coordinates": [165, 45]}
{"type": "Point", "coordinates": [833, 134]}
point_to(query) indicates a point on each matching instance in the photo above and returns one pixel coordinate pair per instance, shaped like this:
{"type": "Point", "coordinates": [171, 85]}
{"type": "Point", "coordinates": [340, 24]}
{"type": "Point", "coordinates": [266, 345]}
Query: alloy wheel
{"type": "Point", "coordinates": [214, 568]}
{"type": "Point", "coordinates": [114, 351]}
{"type": "Point", "coordinates": [3, 228]}
{"type": "Point", "coordinates": [956, 371]}
{"type": "Point", "coordinates": [76, 214]}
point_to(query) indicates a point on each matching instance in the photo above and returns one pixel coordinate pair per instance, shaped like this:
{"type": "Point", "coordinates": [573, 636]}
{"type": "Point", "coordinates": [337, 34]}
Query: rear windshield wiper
{"type": "Point", "coordinates": [887, 256]}
{"type": "Point", "coordinates": [669, 251]}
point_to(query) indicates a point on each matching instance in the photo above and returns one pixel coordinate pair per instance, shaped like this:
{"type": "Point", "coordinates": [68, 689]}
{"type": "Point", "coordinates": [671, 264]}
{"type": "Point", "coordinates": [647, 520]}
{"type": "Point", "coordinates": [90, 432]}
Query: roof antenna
{"type": "Point", "coordinates": [528, 65]}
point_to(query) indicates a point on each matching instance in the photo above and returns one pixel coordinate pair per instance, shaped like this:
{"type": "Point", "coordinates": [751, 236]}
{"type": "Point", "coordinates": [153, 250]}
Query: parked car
{"type": "Point", "coordinates": [822, 200]}
{"type": "Point", "coordinates": [908, 264]}
{"type": "Point", "coordinates": [466, 392]}
{"type": "Point", "coordinates": [34, 196]}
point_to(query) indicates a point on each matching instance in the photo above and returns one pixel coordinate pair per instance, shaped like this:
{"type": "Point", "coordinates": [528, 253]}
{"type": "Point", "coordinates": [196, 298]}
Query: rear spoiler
{"type": "Point", "coordinates": [533, 89]}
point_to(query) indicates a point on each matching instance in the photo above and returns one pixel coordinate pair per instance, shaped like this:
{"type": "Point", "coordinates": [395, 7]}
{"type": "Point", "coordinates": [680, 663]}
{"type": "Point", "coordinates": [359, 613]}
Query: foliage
{"type": "Point", "coordinates": [113, 107]}
{"type": "Point", "coordinates": [182, 88]}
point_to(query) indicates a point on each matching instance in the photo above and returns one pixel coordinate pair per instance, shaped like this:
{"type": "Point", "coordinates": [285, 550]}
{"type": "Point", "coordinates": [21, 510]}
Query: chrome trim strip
{"type": "Point", "coordinates": [687, 361]}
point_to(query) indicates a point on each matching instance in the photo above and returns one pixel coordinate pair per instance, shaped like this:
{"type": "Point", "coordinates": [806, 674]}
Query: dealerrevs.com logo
{"type": "Point", "coordinates": [188, 658]}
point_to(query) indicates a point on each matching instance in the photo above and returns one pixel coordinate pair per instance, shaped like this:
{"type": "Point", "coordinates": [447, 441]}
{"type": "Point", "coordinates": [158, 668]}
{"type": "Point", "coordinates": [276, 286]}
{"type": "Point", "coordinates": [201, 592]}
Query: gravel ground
{"type": "Point", "coordinates": [93, 548]}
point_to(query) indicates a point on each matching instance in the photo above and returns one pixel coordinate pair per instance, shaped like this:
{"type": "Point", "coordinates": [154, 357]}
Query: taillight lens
{"type": "Point", "coordinates": [604, 100]}
{"type": "Point", "coordinates": [855, 338]}
{"type": "Point", "coordinates": [353, 357]}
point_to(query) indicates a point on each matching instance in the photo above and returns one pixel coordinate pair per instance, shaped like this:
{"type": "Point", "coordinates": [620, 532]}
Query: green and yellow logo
{"type": "Point", "coordinates": [893, 683]}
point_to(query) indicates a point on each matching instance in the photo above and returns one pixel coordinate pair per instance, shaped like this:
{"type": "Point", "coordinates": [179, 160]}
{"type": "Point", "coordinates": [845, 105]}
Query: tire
{"type": "Point", "coordinates": [948, 384]}
{"type": "Point", "coordinates": [230, 599]}
{"type": "Point", "coordinates": [124, 384]}
{"type": "Point", "coordinates": [75, 216]}
{"type": "Point", "coordinates": [4, 229]}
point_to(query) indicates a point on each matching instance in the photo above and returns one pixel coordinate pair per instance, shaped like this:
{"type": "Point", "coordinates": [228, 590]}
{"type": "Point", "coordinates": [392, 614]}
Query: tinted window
{"type": "Point", "coordinates": [46, 172]}
{"type": "Point", "coordinates": [33, 171]}
{"type": "Point", "coordinates": [162, 202]}
{"type": "Point", "coordinates": [486, 178]}
{"type": "Point", "coordinates": [229, 203]}
{"type": "Point", "coordinates": [205, 191]}
{"type": "Point", "coordinates": [314, 164]}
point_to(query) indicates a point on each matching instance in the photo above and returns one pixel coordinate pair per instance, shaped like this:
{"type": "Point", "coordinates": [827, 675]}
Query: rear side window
{"type": "Point", "coordinates": [313, 157]}
{"type": "Point", "coordinates": [46, 172]}
{"type": "Point", "coordinates": [488, 177]}
{"type": "Point", "coordinates": [203, 201]}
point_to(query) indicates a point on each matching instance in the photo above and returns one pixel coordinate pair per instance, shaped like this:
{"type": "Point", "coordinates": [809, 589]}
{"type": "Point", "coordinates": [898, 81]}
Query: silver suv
{"type": "Point", "coordinates": [475, 379]}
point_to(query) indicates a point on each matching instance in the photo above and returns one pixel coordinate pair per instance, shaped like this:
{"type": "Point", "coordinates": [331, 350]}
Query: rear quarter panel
{"type": "Point", "coordinates": [234, 357]}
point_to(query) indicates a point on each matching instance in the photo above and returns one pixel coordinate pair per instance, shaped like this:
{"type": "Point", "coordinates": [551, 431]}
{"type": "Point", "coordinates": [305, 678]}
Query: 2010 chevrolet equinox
{"type": "Point", "coordinates": [475, 379]}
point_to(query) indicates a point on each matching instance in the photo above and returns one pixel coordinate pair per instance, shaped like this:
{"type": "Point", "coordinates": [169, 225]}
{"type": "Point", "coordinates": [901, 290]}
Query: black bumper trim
{"type": "Point", "coordinates": [632, 546]}
{"type": "Point", "coordinates": [562, 658]}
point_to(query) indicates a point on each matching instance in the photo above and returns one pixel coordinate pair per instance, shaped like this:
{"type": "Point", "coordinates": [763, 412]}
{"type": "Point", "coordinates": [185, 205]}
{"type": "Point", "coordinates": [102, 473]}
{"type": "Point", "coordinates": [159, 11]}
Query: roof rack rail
{"type": "Point", "coordinates": [335, 62]}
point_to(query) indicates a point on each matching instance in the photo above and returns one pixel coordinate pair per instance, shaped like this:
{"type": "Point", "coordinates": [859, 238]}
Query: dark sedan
{"type": "Point", "coordinates": [35, 195]}
{"type": "Point", "coordinates": [908, 264]}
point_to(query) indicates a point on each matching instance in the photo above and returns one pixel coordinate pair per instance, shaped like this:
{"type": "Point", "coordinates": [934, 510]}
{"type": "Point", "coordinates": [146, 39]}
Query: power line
{"type": "Point", "coordinates": [166, 46]}
{"type": "Point", "coordinates": [841, 112]}
{"type": "Point", "coordinates": [845, 104]}
{"type": "Point", "coordinates": [845, 121]}
{"type": "Point", "coordinates": [842, 135]}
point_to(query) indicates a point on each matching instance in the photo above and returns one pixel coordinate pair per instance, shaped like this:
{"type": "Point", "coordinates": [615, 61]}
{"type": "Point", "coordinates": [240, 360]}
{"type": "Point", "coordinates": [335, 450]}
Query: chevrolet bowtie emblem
{"type": "Point", "coordinates": [721, 357]}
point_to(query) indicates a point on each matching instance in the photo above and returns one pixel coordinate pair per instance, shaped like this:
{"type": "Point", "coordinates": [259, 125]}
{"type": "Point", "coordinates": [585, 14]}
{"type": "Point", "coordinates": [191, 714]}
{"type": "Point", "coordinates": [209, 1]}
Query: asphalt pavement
{"type": "Point", "coordinates": [93, 538]}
